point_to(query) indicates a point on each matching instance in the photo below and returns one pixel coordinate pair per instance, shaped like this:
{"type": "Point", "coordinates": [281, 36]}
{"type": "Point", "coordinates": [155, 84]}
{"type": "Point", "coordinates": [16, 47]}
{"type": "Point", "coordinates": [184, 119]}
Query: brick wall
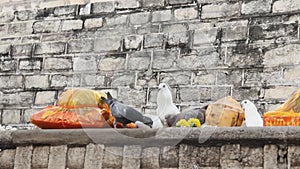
{"type": "Point", "coordinates": [204, 49]}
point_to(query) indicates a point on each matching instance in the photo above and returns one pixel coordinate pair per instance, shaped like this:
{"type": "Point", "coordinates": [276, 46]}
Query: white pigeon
{"type": "Point", "coordinates": [165, 103]}
{"type": "Point", "coordinates": [252, 117]}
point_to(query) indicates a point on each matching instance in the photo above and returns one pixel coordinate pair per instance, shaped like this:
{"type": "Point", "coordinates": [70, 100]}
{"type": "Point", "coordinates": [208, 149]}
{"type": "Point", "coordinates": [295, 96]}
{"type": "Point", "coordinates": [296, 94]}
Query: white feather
{"type": "Point", "coordinates": [252, 117]}
{"type": "Point", "coordinates": [139, 124]}
{"type": "Point", "coordinates": [165, 103]}
{"type": "Point", "coordinates": [156, 121]}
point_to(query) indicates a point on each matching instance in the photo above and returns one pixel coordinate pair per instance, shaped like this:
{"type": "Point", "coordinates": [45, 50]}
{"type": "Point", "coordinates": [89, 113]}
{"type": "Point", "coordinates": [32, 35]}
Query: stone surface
{"type": "Point", "coordinates": [75, 157]}
{"type": "Point", "coordinates": [84, 63]}
{"type": "Point", "coordinates": [23, 157]}
{"type": "Point", "coordinates": [186, 13]}
{"type": "Point", "coordinates": [150, 157]}
{"type": "Point", "coordinates": [270, 156]}
{"type": "Point", "coordinates": [7, 158]}
{"type": "Point", "coordinates": [153, 40]}
{"type": "Point", "coordinates": [107, 44]}
{"type": "Point", "coordinates": [133, 42]}
{"type": "Point", "coordinates": [50, 48]}
{"type": "Point", "coordinates": [139, 61]}
{"type": "Point", "coordinates": [286, 6]}
{"type": "Point", "coordinates": [80, 45]}
{"type": "Point", "coordinates": [57, 63]}
{"type": "Point", "coordinates": [113, 157]}
{"type": "Point", "coordinates": [161, 16]}
{"type": "Point", "coordinates": [40, 157]}
{"type": "Point", "coordinates": [139, 18]}
{"type": "Point", "coordinates": [259, 6]}
{"type": "Point", "coordinates": [68, 25]}
{"type": "Point", "coordinates": [57, 157]}
{"type": "Point", "coordinates": [7, 82]}
{"type": "Point", "coordinates": [36, 81]}
{"type": "Point", "coordinates": [103, 7]}
{"type": "Point", "coordinates": [93, 23]}
{"type": "Point", "coordinates": [11, 116]}
{"type": "Point", "coordinates": [132, 157]}
{"type": "Point", "coordinates": [94, 156]}
{"type": "Point", "coordinates": [45, 97]}
{"type": "Point", "coordinates": [220, 10]}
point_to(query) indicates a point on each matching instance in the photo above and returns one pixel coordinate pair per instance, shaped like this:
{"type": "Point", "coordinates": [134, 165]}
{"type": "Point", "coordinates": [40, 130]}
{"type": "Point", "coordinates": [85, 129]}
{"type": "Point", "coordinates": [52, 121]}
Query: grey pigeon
{"type": "Point", "coordinates": [123, 113]}
{"type": "Point", "coordinates": [198, 113]}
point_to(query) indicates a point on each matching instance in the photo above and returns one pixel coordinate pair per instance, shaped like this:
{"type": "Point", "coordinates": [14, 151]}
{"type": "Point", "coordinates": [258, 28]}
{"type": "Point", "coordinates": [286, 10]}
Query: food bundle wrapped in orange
{"type": "Point", "coordinates": [287, 114]}
{"type": "Point", "coordinates": [225, 112]}
{"type": "Point", "coordinates": [76, 108]}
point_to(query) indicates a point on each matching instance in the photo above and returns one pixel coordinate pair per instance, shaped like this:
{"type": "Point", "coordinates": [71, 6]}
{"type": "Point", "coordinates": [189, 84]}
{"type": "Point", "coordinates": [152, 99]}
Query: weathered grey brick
{"type": "Point", "coordinates": [175, 2]}
{"type": "Point", "coordinates": [204, 78]}
{"type": "Point", "coordinates": [139, 61]}
{"type": "Point", "coordinates": [46, 26]}
{"type": "Point", "coordinates": [93, 80]}
{"type": "Point", "coordinates": [17, 99]}
{"type": "Point", "coordinates": [27, 115]}
{"type": "Point", "coordinates": [75, 157]}
{"type": "Point", "coordinates": [8, 66]}
{"type": "Point", "coordinates": [22, 50]}
{"type": "Point", "coordinates": [40, 157]}
{"type": "Point", "coordinates": [103, 7]}
{"type": "Point", "coordinates": [195, 94]}
{"type": "Point", "coordinates": [236, 30]}
{"type": "Point", "coordinates": [30, 64]}
{"type": "Point", "coordinates": [85, 9]}
{"type": "Point", "coordinates": [57, 157]}
{"type": "Point", "coordinates": [132, 96]}
{"type": "Point", "coordinates": [11, 116]}
{"type": "Point", "coordinates": [230, 155]}
{"type": "Point", "coordinates": [139, 18]}
{"type": "Point", "coordinates": [229, 77]}
{"type": "Point", "coordinates": [169, 157]}
{"type": "Point", "coordinates": [14, 82]}
{"type": "Point", "coordinates": [279, 92]}
{"type": "Point", "coordinates": [204, 36]}
{"type": "Point", "coordinates": [164, 59]}
{"type": "Point", "coordinates": [123, 80]}
{"type": "Point", "coordinates": [286, 6]}
{"type": "Point", "coordinates": [84, 63]}
{"type": "Point", "coordinates": [112, 157]}
{"type": "Point", "coordinates": [258, 6]}
{"type": "Point", "coordinates": [57, 63]}
{"type": "Point", "coordinates": [153, 40]}
{"type": "Point", "coordinates": [80, 45]}
{"type": "Point", "coordinates": [178, 77]}
{"type": "Point", "coordinates": [270, 156]}
{"type": "Point", "coordinates": [68, 25]}
{"type": "Point", "coordinates": [127, 4]}
{"type": "Point", "coordinates": [252, 156]}
{"type": "Point", "coordinates": [169, 28]}
{"type": "Point", "coordinates": [65, 36]}
{"type": "Point", "coordinates": [146, 29]}
{"type": "Point", "coordinates": [293, 156]}
{"type": "Point", "coordinates": [107, 44]}
{"type": "Point", "coordinates": [36, 81]}
{"type": "Point", "coordinates": [3, 29]}
{"type": "Point", "coordinates": [5, 49]}
{"type": "Point", "coordinates": [94, 156]}
{"type": "Point", "coordinates": [161, 16]}
{"type": "Point", "coordinates": [7, 158]}
{"type": "Point", "coordinates": [178, 38]}
{"type": "Point", "coordinates": [65, 80]}
{"type": "Point", "coordinates": [133, 41]}
{"type": "Point", "coordinates": [25, 15]}
{"type": "Point", "coordinates": [22, 28]}
{"type": "Point", "coordinates": [150, 157]}
{"type": "Point", "coordinates": [186, 13]}
{"type": "Point", "coordinates": [132, 157]}
{"type": "Point", "coordinates": [223, 91]}
{"type": "Point", "coordinates": [116, 20]}
{"type": "Point", "coordinates": [112, 62]}
{"type": "Point", "coordinates": [65, 10]}
{"type": "Point", "coordinates": [7, 16]}
{"type": "Point", "coordinates": [50, 48]}
{"type": "Point", "coordinates": [23, 157]}
{"type": "Point", "coordinates": [152, 3]}
{"type": "Point", "coordinates": [45, 97]}
{"type": "Point", "coordinates": [93, 23]}
{"type": "Point", "coordinates": [31, 39]}
{"type": "Point", "coordinates": [220, 10]}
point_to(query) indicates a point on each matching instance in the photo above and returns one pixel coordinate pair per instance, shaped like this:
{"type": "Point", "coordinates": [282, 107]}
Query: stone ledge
{"type": "Point", "coordinates": [153, 137]}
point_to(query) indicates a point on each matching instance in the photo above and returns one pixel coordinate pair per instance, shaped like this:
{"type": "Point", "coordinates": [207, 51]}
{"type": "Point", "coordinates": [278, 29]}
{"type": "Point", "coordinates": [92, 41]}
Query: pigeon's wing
{"type": "Point", "coordinates": [128, 113]}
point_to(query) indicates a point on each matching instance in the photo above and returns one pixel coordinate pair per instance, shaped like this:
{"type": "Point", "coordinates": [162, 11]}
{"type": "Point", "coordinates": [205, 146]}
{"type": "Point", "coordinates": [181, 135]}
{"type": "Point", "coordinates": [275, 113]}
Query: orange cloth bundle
{"type": "Point", "coordinates": [287, 114]}
{"type": "Point", "coordinates": [76, 108]}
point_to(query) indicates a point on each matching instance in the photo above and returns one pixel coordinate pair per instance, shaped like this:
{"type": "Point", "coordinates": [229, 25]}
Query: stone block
{"type": "Point", "coordinates": [94, 156]}
{"type": "Point", "coordinates": [139, 61]}
{"type": "Point", "coordinates": [11, 117]}
{"type": "Point", "coordinates": [256, 7]}
{"type": "Point", "coordinates": [45, 97]}
{"type": "Point", "coordinates": [36, 81]}
{"type": "Point", "coordinates": [17, 99]}
{"type": "Point", "coordinates": [84, 63]}
{"type": "Point", "coordinates": [164, 59]}
{"type": "Point", "coordinates": [235, 30]}
{"type": "Point", "coordinates": [205, 36]}
{"type": "Point", "coordinates": [146, 29]}
{"type": "Point", "coordinates": [3, 29]}
{"type": "Point", "coordinates": [75, 157]}
{"type": "Point", "coordinates": [46, 26]}
{"type": "Point", "coordinates": [204, 78]}
{"type": "Point", "coordinates": [150, 157]}
{"type": "Point", "coordinates": [93, 23]}
{"type": "Point", "coordinates": [40, 157]}
{"type": "Point", "coordinates": [85, 9]}
{"type": "Point", "coordinates": [30, 64]}
{"type": "Point", "coordinates": [169, 28]}
{"type": "Point", "coordinates": [154, 40]}
{"type": "Point", "coordinates": [123, 79]}
{"type": "Point", "coordinates": [220, 10]}
{"type": "Point", "coordinates": [116, 20]}
{"type": "Point", "coordinates": [195, 94]}
{"type": "Point", "coordinates": [22, 28]}
{"type": "Point", "coordinates": [127, 4]}
{"type": "Point", "coordinates": [131, 157]}
{"type": "Point", "coordinates": [5, 49]}
{"type": "Point", "coordinates": [169, 157]}
{"type": "Point", "coordinates": [229, 77]}
{"type": "Point", "coordinates": [7, 158]}
{"type": "Point", "coordinates": [7, 16]}
{"type": "Point", "coordinates": [50, 48]}
{"type": "Point", "coordinates": [68, 25]}
{"type": "Point", "coordinates": [113, 157]}
{"type": "Point", "coordinates": [112, 62]}
{"type": "Point", "coordinates": [186, 13]}
{"type": "Point", "coordinates": [152, 3]}
{"type": "Point", "coordinates": [139, 18]}
{"type": "Point", "coordinates": [80, 46]}
{"type": "Point", "coordinates": [249, 93]}
{"type": "Point", "coordinates": [176, 2]}
{"type": "Point", "coordinates": [179, 38]}
{"type": "Point", "coordinates": [222, 92]}
{"type": "Point", "coordinates": [252, 156]}
{"type": "Point", "coordinates": [65, 10]}
{"type": "Point", "coordinates": [230, 156]}
{"type": "Point", "coordinates": [132, 97]}
{"type": "Point", "coordinates": [8, 66]}
{"type": "Point", "coordinates": [22, 50]}
{"type": "Point", "coordinates": [107, 44]}
{"type": "Point", "coordinates": [270, 156]}
{"type": "Point", "coordinates": [176, 78]}
{"type": "Point", "coordinates": [23, 157]}
{"type": "Point", "coordinates": [57, 157]}
{"type": "Point", "coordinates": [286, 6]}
{"type": "Point", "coordinates": [93, 80]}
{"type": "Point", "coordinates": [279, 92]}
{"type": "Point", "coordinates": [133, 42]}
{"type": "Point", "coordinates": [293, 156]}
{"type": "Point", "coordinates": [24, 15]}
{"type": "Point", "coordinates": [103, 7]}
{"type": "Point", "coordinates": [27, 115]}
{"type": "Point", "coordinates": [161, 16]}
{"type": "Point", "coordinates": [11, 82]}
{"type": "Point", "coordinates": [58, 63]}
{"type": "Point", "coordinates": [243, 57]}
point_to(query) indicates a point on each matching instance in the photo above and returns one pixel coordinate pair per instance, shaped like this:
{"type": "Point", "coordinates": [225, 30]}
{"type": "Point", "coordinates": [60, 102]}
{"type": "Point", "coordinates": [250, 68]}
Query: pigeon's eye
{"type": "Point", "coordinates": [245, 102]}
{"type": "Point", "coordinates": [164, 85]}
